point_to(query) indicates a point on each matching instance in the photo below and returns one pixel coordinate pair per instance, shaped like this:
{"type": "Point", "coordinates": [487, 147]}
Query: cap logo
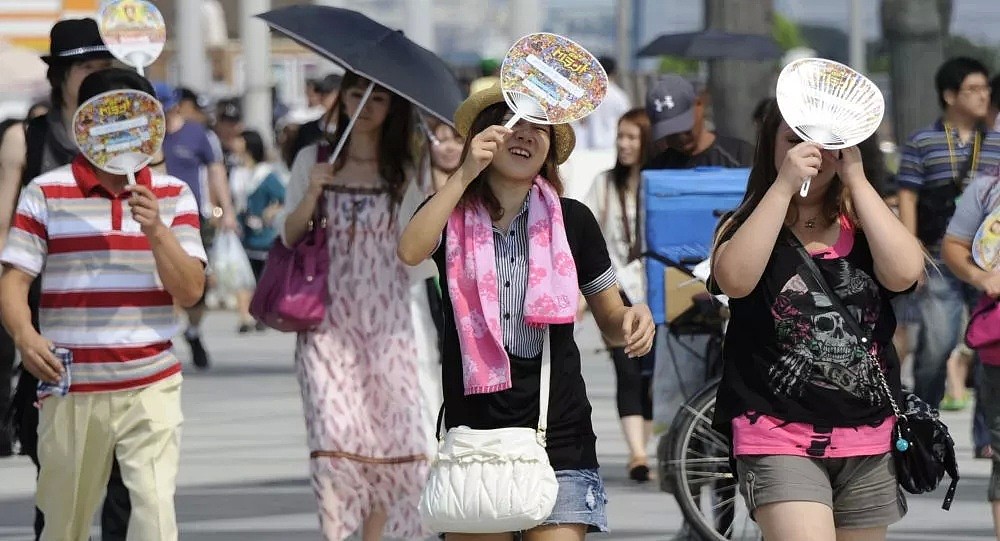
{"type": "Point", "coordinates": [667, 101]}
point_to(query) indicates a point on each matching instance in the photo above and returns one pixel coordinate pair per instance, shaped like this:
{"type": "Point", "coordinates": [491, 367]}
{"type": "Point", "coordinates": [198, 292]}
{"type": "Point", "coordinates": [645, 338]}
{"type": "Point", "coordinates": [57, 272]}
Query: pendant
{"type": "Point", "coordinates": [810, 223]}
{"type": "Point", "coordinates": [902, 445]}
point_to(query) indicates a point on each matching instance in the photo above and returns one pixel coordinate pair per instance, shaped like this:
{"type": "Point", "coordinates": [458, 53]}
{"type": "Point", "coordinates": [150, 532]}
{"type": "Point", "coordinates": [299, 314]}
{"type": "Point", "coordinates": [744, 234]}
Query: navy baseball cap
{"type": "Point", "coordinates": [670, 105]}
{"type": "Point", "coordinates": [169, 96]}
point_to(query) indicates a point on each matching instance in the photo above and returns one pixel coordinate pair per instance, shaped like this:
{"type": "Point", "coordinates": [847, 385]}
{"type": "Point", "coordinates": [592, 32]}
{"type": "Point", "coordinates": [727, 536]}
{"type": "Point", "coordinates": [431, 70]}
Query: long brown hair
{"type": "Point", "coordinates": [395, 155]}
{"type": "Point", "coordinates": [479, 190]}
{"type": "Point", "coordinates": [621, 172]}
{"type": "Point", "coordinates": [638, 117]}
{"type": "Point", "coordinates": [836, 201]}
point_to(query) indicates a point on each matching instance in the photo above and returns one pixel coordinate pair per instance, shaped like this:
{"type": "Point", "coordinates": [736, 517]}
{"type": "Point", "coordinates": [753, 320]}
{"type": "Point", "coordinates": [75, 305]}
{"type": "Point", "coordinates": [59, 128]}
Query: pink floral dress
{"type": "Point", "coordinates": [359, 377]}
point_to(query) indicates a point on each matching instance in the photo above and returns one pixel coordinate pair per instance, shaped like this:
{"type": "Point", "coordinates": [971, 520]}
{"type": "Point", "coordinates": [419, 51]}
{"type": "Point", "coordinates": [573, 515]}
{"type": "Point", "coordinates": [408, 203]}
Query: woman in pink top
{"type": "Point", "coordinates": [810, 424]}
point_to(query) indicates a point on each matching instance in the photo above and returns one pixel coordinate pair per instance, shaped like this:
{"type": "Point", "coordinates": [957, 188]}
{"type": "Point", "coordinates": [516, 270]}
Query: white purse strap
{"type": "Point", "coordinates": [544, 384]}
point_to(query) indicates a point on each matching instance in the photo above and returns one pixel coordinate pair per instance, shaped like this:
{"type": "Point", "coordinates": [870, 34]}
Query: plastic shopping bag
{"type": "Point", "coordinates": [230, 265]}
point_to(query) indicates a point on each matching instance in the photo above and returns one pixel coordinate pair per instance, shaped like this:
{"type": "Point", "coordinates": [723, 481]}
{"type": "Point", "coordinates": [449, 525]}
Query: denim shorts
{"type": "Point", "coordinates": [581, 500]}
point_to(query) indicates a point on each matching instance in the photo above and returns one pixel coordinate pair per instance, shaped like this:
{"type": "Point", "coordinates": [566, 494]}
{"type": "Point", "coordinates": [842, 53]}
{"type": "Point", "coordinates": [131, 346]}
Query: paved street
{"type": "Point", "coordinates": [243, 461]}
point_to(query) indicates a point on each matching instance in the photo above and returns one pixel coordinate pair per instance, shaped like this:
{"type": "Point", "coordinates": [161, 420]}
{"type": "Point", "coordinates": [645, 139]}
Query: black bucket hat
{"type": "Point", "coordinates": [75, 40]}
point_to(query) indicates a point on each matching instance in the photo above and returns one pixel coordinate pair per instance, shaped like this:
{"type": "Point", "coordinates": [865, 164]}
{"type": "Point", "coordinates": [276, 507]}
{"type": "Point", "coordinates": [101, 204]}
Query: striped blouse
{"type": "Point", "coordinates": [511, 249]}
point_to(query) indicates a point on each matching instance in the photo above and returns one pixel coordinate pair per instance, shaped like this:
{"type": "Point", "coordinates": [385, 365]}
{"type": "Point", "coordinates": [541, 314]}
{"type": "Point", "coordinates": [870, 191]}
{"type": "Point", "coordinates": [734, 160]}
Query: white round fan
{"type": "Point", "coordinates": [828, 103]}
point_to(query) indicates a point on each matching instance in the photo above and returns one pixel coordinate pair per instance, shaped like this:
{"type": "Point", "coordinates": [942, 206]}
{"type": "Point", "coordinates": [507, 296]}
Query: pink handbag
{"type": "Point", "coordinates": [292, 293]}
{"type": "Point", "coordinates": [983, 333]}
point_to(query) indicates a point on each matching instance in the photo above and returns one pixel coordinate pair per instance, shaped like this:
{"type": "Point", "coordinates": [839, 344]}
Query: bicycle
{"type": "Point", "coordinates": [693, 457]}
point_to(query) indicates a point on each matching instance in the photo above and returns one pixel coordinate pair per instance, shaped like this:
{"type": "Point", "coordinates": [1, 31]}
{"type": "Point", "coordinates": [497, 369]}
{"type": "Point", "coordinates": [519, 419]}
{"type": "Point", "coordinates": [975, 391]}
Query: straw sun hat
{"type": "Point", "coordinates": [563, 137]}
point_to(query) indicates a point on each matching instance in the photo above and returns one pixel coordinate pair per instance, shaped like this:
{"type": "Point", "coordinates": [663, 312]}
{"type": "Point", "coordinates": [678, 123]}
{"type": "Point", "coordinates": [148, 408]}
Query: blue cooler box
{"type": "Point", "coordinates": [681, 208]}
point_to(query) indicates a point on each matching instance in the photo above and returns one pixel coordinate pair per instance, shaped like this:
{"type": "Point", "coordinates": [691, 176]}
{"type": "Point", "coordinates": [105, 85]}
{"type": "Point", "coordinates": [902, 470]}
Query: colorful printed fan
{"type": "Point", "coordinates": [829, 104]}
{"type": "Point", "coordinates": [986, 244]}
{"type": "Point", "coordinates": [550, 79]}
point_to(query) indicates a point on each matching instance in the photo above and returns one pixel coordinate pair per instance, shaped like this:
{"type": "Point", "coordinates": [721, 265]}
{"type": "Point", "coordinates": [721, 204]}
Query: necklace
{"type": "Point", "coordinates": [810, 223]}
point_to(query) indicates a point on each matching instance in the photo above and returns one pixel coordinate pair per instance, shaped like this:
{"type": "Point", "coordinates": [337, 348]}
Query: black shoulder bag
{"type": "Point", "coordinates": [922, 447]}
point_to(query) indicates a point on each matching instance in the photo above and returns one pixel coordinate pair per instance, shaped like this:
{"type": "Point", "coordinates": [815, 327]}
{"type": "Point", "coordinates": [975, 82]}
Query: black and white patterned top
{"type": "Point", "coordinates": [571, 441]}
{"type": "Point", "coordinates": [511, 250]}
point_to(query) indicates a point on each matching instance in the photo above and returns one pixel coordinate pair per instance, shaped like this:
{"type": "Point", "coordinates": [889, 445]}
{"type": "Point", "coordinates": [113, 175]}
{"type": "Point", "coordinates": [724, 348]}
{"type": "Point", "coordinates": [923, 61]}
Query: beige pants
{"type": "Point", "coordinates": [78, 436]}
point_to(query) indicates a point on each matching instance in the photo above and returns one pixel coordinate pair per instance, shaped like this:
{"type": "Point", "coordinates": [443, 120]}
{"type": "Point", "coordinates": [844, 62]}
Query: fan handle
{"type": "Point", "coordinates": [524, 106]}
{"type": "Point", "coordinates": [804, 190]}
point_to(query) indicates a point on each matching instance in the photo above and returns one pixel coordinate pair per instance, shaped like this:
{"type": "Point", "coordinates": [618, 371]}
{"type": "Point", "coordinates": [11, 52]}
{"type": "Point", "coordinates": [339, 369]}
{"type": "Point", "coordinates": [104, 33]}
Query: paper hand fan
{"type": "Point", "coordinates": [133, 30]}
{"type": "Point", "coordinates": [828, 103]}
{"type": "Point", "coordinates": [549, 79]}
{"type": "Point", "coordinates": [986, 243]}
{"type": "Point", "coordinates": [120, 131]}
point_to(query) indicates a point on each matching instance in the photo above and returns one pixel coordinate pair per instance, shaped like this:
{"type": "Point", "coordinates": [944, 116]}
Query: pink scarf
{"type": "Point", "coordinates": [550, 299]}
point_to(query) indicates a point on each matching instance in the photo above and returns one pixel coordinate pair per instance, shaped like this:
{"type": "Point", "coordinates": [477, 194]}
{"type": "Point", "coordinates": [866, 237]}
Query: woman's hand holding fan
{"type": "Point", "coordinates": [829, 104]}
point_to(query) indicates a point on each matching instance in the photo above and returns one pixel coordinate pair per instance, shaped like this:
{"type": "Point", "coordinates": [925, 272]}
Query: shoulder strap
{"type": "Point", "coordinates": [323, 152]}
{"type": "Point", "coordinates": [544, 388]}
{"type": "Point", "coordinates": [544, 382]}
{"type": "Point", "coordinates": [37, 131]}
{"type": "Point", "coordinates": [835, 300]}
{"type": "Point", "coordinates": [849, 319]}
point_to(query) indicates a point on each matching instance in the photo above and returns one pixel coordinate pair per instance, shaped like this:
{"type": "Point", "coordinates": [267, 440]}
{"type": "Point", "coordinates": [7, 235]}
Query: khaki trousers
{"type": "Point", "coordinates": [78, 436]}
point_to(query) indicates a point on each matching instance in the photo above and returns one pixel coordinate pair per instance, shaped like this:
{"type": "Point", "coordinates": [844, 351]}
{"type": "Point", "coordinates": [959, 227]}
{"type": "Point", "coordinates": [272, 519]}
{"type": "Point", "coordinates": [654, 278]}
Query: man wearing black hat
{"type": "Point", "coordinates": [681, 140]}
{"type": "Point", "coordinates": [76, 51]}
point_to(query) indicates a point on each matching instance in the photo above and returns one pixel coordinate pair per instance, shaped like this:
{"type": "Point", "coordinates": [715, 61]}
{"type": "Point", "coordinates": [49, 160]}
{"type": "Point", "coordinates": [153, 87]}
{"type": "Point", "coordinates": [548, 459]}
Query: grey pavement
{"type": "Point", "coordinates": [244, 472]}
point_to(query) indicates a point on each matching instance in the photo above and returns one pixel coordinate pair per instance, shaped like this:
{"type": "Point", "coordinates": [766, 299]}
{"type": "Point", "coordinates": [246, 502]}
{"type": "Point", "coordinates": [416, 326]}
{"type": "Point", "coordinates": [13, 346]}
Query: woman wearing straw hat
{"type": "Point", "coordinates": [499, 208]}
{"type": "Point", "coordinates": [802, 396]}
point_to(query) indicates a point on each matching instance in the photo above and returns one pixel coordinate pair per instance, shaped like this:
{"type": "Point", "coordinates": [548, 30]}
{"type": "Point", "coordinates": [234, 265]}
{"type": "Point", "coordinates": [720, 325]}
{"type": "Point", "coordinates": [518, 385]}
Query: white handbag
{"type": "Point", "coordinates": [493, 481]}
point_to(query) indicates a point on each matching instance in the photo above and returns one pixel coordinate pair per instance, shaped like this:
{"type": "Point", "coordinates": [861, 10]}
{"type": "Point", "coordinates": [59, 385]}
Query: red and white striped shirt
{"type": "Point", "coordinates": [101, 295]}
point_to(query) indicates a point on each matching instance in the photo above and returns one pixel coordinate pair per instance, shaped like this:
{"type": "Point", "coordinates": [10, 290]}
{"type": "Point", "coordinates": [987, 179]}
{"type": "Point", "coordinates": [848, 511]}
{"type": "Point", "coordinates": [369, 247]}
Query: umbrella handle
{"type": "Point", "coordinates": [804, 190]}
{"type": "Point", "coordinates": [350, 124]}
{"type": "Point", "coordinates": [427, 130]}
{"type": "Point", "coordinates": [131, 178]}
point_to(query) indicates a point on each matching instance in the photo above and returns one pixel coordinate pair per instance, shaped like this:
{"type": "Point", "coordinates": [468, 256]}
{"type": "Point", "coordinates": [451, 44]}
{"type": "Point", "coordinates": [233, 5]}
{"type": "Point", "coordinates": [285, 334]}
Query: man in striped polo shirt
{"type": "Point", "coordinates": [937, 163]}
{"type": "Point", "coordinates": [113, 257]}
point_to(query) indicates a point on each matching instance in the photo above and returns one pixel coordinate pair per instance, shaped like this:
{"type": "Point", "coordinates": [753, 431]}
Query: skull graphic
{"type": "Point", "coordinates": [817, 347]}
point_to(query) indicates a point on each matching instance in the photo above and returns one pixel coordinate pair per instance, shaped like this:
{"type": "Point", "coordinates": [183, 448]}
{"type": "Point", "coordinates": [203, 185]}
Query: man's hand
{"type": "Point", "coordinates": [990, 284]}
{"type": "Point", "coordinates": [229, 222]}
{"type": "Point", "coordinates": [37, 357]}
{"type": "Point", "coordinates": [145, 209]}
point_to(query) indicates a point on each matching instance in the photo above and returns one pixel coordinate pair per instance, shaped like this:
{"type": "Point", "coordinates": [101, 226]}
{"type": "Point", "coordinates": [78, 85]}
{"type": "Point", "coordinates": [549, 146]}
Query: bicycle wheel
{"type": "Point", "coordinates": [704, 484]}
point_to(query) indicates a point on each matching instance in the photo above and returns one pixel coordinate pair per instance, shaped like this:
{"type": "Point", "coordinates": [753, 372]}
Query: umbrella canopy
{"type": "Point", "coordinates": [376, 52]}
{"type": "Point", "coordinates": [23, 71]}
{"type": "Point", "coordinates": [714, 44]}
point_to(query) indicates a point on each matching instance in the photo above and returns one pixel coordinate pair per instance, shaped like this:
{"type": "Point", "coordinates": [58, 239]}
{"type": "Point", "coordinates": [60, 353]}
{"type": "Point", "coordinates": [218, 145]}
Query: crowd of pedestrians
{"type": "Point", "coordinates": [455, 266]}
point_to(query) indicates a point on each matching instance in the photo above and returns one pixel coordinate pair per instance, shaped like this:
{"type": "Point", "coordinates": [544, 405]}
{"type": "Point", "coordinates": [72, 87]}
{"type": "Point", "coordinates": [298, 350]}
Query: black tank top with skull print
{"type": "Point", "coordinates": [789, 354]}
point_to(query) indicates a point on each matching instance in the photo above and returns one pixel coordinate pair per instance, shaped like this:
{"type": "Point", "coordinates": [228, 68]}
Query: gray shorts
{"type": "Point", "coordinates": [862, 491]}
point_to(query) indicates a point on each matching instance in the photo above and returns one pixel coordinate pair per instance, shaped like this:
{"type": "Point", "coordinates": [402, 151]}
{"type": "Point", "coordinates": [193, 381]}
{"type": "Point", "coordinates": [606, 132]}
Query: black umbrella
{"type": "Point", "coordinates": [378, 53]}
{"type": "Point", "coordinates": [714, 44]}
